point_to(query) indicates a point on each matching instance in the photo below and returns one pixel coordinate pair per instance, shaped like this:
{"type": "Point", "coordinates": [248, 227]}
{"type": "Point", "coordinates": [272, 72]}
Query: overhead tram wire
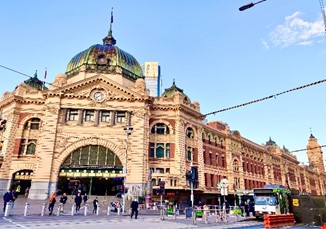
{"type": "Point", "coordinates": [265, 98]}
{"type": "Point", "coordinates": [50, 84]}
{"type": "Point", "coordinates": [214, 112]}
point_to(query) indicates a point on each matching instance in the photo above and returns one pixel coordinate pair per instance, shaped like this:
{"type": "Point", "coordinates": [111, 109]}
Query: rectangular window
{"type": "Point", "coordinates": [189, 153]}
{"type": "Point", "coordinates": [89, 115]}
{"type": "Point", "coordinates": [159, 170]}
{"type": "Point", "coordinates": [210, 162]}
{"type": "Point", "coordinates": [216, 160]}
{"type": "Point", "coordinates": [160, 150]}
{"type": "Point", "coordinates": [35, 126]}
{"type": "Point", "coordinates": [152, 150]}
{"type": "Point", "coordinates": [167, 150]}
{"type": "Point", "coordinates": [121, 115]}
{"type": "Point", "coordinates": [223, 161]}
{"type": "Point", "coordinates": [31, 147]}
{"type": "Point", "coordinates": [212, 180]}
{"type": "Point", "coordinates": [73, 115]}
{"type": "Point", "coordinates": [22, 146]}
{"type": "Point", "coordinates": [105, 116]}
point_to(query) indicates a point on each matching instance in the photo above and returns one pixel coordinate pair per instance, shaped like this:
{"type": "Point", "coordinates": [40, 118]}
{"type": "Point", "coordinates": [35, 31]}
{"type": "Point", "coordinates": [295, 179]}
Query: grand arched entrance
{"type": "Point", "coordinates": [21, 180]}
{"type": "Point", "coordinates": [93, 169]}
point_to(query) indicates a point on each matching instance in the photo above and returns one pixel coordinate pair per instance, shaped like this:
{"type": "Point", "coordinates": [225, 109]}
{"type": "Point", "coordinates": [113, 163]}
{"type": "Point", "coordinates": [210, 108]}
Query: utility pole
{"type": "Point", "coordinates": [128, 130]}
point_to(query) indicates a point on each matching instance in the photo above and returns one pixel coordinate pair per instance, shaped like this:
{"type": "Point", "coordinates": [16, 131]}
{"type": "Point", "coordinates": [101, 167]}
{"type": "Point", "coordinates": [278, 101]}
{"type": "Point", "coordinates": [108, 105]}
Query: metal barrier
{"type": "Point", "coordinates": [97, 209]}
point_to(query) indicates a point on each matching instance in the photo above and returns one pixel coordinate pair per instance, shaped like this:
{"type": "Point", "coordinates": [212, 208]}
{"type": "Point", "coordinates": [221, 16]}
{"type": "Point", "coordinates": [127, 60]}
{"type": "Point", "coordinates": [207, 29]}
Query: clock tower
{"type": "Point", "coordinates": [315, 154]}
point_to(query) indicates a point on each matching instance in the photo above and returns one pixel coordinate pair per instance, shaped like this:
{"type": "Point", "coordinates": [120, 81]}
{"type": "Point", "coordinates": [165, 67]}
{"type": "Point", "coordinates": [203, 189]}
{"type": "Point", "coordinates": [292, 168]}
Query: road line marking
{"type": "Point", "coordinates": [16, 224]}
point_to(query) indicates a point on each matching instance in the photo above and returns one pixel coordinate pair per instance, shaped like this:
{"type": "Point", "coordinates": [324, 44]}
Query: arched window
{"type": "Point", "coordinates": [27, 147]}
{"type": "Point", "coordinates": [215, 140]}
{"type": "Point", "coordinates": [32, 124]}
{"type": "Point", "coordinates": [160, 128]}
{"type": "Point", "coordinates": [92, 155]}
{"type": "Point", "coordinates": [190, 133]}
{"type": "Point", "coordinates": [209, 138]}
{"type": "Point", "coordinates": [235, 165]}
{"type": "Point", "coordinates": [203, 135]}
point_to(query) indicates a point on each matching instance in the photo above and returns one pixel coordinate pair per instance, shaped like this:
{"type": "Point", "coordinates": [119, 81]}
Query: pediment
{"type": "Point", "coordinates": [90, 87]}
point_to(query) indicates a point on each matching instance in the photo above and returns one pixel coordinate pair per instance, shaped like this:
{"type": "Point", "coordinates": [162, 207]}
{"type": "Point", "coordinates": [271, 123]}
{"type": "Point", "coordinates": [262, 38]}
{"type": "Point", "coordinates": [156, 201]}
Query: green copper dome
{"type": "Point", "coordinates": [104, 58]}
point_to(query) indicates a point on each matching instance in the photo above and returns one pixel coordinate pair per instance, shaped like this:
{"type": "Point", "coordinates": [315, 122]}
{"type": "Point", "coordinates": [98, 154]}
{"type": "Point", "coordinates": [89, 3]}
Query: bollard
{"type": "Point", "coordinates": [7, 211]}
{"type": "Point", "coordinates": [59, 209]}
{"type": "Point", "coordinates": [194, 217]}
{"type": "Point", "coordinates": [26, 210]}
{"type": "Point", "coordinates": [206, 216]}
{"type": "Point", "coordinates": [118, 210]}
{"type": "Point", "coordinates": [109, 209]}
{"type": "Point", "coordinates": [73, 209]}
{"type": "Point", "coordinates": [98, 209]}
{"type": "Point", "coordinates": [85, 209]}
{"type": "Point", "coordinates": [43, 209]}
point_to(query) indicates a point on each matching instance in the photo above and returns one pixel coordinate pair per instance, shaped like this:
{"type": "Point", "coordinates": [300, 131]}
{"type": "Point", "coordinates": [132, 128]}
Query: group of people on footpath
{"type": "Point", "coordinates": [9, 197]}
{"type": "Point", "coordinates": [78, 199]}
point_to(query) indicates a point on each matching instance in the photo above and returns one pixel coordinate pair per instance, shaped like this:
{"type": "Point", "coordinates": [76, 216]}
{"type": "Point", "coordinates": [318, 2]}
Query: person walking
{"type": "Point", "coordinates": [52, 201]}
{"type": "Point", "coordinates": [134, 208]}
{"type": "Point", "coordinates": [85, 198]}
{"type": "Point", "coordinates": [78, 200]}
{"type": "Point", "coordinates": [14, 197]}
{"type": "Point", "coordinates": [95, 204]}
{"type": "Point", "coordinates": [7, 197]}
{"type": "Point", "coordinates": [63, 200]}
{"type": "Point", "coordinates": [26, 192]}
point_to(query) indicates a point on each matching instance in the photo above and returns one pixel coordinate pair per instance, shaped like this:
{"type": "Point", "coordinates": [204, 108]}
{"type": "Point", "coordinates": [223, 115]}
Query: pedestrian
{"type": "Point", "coordinates": [95, 204]}
{"type": "Point", "coordinates": [14, 197]}
{"type": "Point", "coordinates": [7, 197]}
{"type": "Point", "coordinates": [26, 192]}
{"type": "Point", "coordinates": [134, 208]}
{"type": "Point", "coordinates": [52, 201]}
{"type": "Point", "coordinates": [18, 188]}
{"type": "Point", "coordinates": [78, 200]}
{"type": "Point", "coordinates": [85, 198]}
{"type": "Point", "coordinates": [63, 200]}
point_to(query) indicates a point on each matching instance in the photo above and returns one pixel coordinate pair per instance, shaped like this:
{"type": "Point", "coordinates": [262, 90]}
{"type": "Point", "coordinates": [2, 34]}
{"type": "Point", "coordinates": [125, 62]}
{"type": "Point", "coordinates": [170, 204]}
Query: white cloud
{"type": "Point", "coordinates": [265, 44]}
{"type": "Point", "coordinates": [296, 31]}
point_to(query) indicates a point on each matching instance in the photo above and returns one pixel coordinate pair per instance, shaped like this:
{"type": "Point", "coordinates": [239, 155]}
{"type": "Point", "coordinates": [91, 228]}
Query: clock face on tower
{"type": "Point", "coordinates": [99, 96]}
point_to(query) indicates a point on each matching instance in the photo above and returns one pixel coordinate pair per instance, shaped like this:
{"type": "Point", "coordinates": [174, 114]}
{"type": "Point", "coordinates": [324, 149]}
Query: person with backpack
{"type": "Point", "coordinates": [52, 201]}
{"type": "Point", "coordinates": [63, 200]}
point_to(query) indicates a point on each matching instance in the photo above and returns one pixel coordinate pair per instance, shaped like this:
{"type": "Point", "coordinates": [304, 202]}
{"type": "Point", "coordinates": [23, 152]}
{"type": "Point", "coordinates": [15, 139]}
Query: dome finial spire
{"type": "Point", "coordinates": [109, 39]}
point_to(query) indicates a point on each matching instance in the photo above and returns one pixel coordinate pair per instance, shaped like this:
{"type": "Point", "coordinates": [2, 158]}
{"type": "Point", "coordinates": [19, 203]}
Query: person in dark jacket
{"type": "Point", "coordinates": [7, 197]}
{"type": "Point", "coordinates": [95, 204]}
{"type": "Point", "coordinates": [85, 198]}
{"type": "Point", "coordinates": [134, 209]}
{"type": "Point", "coordinates": [78, 200]}
{"type": "Point", "coordinates": [63, 200]}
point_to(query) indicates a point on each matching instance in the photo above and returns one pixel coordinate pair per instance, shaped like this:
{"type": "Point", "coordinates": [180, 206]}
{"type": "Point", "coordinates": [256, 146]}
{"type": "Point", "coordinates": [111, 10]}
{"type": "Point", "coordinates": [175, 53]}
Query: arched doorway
{"type": "Point", "coordinates": [92, 169]}
{"type": "Point", "coordinates": [21, 180]}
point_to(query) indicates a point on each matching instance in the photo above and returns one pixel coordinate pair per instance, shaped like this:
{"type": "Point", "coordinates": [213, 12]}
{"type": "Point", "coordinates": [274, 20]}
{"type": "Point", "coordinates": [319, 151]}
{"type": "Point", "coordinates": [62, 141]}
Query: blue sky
{"type": "Point", "coordinates": [220, 56]}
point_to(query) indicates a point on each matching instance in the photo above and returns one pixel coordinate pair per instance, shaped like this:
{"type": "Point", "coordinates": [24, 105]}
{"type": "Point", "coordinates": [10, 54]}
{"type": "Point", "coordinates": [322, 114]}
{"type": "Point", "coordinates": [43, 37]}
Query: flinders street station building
{"type": "Point", "coordinates": [97, 129]}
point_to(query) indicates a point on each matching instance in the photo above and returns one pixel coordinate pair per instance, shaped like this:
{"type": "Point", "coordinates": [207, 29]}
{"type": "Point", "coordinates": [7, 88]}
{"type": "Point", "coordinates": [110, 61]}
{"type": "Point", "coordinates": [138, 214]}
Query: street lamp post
{"type": "Point", "coordinates": [249, 5]}
{"type": "Point", "coordinates": [128, 130]}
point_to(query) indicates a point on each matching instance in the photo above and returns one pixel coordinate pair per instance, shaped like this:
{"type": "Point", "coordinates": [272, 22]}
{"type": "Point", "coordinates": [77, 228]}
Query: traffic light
{"type": "Point", "coordinates": [162, 187]}
{"type": "Point", "coordinates": [194, 173]}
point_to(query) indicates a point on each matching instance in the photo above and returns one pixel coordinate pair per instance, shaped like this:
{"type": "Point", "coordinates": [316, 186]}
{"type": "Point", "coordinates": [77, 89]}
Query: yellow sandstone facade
{"type": "Point", "coordinates": [98, 127]}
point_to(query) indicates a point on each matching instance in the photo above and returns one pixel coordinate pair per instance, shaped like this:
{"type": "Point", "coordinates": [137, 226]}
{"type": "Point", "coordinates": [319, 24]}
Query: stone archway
{"type": "Point", "coordinates": [91, 167]}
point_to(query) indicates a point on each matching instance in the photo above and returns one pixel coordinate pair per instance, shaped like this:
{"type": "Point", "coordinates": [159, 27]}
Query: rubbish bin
{"type": "Point", "coordinates": [188, 213]}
